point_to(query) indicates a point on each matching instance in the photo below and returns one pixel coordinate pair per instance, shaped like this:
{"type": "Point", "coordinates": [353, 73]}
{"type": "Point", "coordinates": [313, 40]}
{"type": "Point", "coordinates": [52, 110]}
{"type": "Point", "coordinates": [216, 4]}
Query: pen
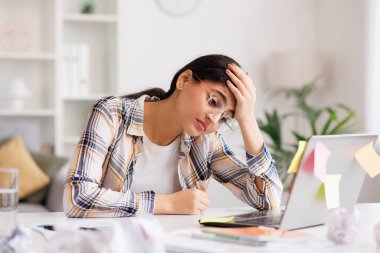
{"type": "Point", "coordinates": [52, 228]}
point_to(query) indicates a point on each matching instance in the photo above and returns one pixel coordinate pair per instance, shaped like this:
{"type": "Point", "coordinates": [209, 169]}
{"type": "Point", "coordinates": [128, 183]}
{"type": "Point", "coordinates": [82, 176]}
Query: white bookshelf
{"type": "Point", "coordinates": [30, 56]}
{"type": "Point", "coordinates": [29, 53]}
{"type": "Point", "coordinates": [52, 24]}
{"type": "Point", "coordinates": [27, 113]}
{"type": "Point", "coordinates": [71, 140]}
{"type": "Point", "coordinates": [96, 18]}
{"type": "Point", "coordinates": [100, 31]}
{"type": "Point", "coordinates": [89, 97]}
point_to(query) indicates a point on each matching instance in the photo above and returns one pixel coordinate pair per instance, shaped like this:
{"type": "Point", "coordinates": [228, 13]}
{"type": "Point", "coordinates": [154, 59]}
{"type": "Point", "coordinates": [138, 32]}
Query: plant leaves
{"type": "Point", "coordinates": [298, 136]}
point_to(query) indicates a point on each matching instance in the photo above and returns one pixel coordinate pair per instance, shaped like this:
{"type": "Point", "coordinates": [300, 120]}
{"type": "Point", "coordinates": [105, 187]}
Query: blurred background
{"type": "Point", "coordinates": [313, 62]}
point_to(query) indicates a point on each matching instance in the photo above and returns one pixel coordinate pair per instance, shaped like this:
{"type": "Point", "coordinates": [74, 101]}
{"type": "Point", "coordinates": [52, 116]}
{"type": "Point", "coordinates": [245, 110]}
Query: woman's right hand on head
{"type": "Point", "coordinates": [190, 201]}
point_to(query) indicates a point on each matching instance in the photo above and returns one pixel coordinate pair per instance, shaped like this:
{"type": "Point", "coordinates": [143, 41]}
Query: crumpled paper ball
{"type": "Point", "coordinates": [376, 233]}
{"type": "Point", "coordinates": [136, 234]}
{"type": "Point", "coordinates": [343, 226]}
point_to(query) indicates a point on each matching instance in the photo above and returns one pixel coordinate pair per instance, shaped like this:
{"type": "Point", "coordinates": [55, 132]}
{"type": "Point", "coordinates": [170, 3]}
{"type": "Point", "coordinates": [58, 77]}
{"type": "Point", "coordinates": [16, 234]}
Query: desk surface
{"type": "Point", "coordinates": [370, 215]}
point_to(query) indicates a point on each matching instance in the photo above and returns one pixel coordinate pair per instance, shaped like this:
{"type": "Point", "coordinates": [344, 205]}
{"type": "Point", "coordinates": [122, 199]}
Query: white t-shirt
{"type": "Point", "coordinates": [157, 168]}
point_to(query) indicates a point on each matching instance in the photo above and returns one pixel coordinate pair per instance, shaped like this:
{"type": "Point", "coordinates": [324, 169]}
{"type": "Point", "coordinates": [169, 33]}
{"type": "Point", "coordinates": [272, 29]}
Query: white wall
{"type": "Point", "coordinates": [340, 34]}
{"type": "Point", "coordinates": [156, 45]}
{"type": "Point", "coordinates": [345, 29]}
{"type": "Point", "coordinates": [371, 188]}
{"type": "Point", "coordinates": [159, 45]}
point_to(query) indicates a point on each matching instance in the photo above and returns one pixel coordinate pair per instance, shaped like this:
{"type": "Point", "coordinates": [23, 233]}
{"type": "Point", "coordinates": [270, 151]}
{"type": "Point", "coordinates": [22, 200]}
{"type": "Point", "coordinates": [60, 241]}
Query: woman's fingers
{"type": "Point", "coordinates": [234, 90]}
{"type": "Point", "coordinates": [239, 73]}
{"type": "Point", "coordinates": [238, 83]}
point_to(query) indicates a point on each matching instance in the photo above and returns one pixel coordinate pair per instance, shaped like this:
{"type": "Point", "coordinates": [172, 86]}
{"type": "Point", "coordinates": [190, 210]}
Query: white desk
{"type": "Point", "coordinates": [370, 215]}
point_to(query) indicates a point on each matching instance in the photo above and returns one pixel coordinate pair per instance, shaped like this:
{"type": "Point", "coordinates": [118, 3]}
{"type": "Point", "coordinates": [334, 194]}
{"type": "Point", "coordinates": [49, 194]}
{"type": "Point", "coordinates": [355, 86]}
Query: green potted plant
{"type": "Point", "coordinates": [335, 119]}
{"type": "Point", "coordinates": [87, 7]}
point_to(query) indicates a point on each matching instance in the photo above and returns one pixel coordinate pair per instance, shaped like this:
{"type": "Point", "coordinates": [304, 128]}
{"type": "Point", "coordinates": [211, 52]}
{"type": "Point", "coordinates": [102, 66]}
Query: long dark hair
{"type": "Point", "coordinates": [209, 67]}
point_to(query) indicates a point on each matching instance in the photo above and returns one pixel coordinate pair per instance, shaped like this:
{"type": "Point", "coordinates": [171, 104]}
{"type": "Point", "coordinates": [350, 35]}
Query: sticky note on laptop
{"type": "Point", "coordinates": [332, 190]}
{"type": "Point", "coordinates": [320, 194]}
{"type": "Point", "coordinates": [369, 160]}
{"type": "Point", "coordinates": [216, 220]}
{"type": "Point", "coordinates": [293, 168]}
{"type": "Point", "coordinates": [316, 161]}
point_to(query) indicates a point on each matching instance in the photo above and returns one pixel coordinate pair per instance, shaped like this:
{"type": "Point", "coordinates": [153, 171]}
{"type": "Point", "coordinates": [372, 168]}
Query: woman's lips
{"type": "Point", "coordinates": [201, 125]}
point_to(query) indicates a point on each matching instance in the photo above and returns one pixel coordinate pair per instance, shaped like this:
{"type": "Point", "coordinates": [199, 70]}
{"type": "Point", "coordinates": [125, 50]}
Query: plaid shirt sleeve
{"type": "Point", "coordinates": [83, 194]}
{"type": "Point", "coordinates": [238, 177]}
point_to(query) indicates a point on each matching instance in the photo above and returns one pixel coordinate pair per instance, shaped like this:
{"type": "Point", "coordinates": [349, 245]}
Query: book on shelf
{"type": "Point", "coordinates": [75, 69]}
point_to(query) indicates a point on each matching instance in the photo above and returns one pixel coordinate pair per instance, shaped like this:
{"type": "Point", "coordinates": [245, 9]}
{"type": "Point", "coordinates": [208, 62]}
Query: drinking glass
{"type": "Point", "coordinates": [8, 200]}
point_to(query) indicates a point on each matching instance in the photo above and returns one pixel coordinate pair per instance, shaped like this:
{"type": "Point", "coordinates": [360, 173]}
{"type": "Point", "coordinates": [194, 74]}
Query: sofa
{"type": "Point", "coordinates": [53, 200]}
{"type": "Point", "coordinates": [41, 174]}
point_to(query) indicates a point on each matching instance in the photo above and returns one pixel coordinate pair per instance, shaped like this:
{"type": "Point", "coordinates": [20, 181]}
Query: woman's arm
{"type": "Point", "coordinates": [245, 94]}
{"type": "Point", "coordinates": [84, 195]}
{"type": "Point", "coordinates": [240, 177]}
{"type": "Point", "coordinates": [262, 189]}
{"type": "Point", "coordinates": [253, 142]}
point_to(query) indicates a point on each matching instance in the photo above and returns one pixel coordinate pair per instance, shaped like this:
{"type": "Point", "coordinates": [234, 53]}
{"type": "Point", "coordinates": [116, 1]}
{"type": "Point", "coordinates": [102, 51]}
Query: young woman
{"type": "Point", "coordinates": [155, 151]}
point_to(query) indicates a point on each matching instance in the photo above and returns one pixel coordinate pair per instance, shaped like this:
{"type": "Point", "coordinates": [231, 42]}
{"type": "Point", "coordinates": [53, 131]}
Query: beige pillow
{"type": "Point", "coordinates": [13, 154]}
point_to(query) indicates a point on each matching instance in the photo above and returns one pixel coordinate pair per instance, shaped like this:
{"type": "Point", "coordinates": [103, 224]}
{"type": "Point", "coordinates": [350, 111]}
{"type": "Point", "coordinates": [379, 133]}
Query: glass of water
{"type": "Point", "coordinates": [8, 200]}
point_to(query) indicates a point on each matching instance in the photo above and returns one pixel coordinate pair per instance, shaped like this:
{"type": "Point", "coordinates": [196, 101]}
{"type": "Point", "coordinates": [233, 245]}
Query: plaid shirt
{"type": "Point", "coordinates": [101, 172]}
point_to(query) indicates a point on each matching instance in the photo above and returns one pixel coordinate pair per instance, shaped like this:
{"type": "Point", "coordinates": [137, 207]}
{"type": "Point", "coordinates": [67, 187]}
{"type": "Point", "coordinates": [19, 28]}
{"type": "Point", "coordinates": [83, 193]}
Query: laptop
{"type": "Point", "coordinates": [304, 208]}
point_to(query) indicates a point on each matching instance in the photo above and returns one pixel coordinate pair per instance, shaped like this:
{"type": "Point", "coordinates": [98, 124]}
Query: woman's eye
{"type": "Point", "coordinates": [225, 118]}
{"type": "Point", "coordinates": [212, 101]}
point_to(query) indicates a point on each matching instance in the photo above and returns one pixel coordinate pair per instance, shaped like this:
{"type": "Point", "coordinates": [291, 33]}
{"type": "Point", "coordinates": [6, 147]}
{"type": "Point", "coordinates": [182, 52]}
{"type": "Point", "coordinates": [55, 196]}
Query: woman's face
{"type": "Point", "coordinates": [203, 106]}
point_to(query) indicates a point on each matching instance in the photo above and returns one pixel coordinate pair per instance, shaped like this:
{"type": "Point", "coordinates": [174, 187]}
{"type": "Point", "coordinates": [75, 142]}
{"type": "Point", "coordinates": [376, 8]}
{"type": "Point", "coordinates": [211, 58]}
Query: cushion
{"type": "Point", "coordinates": [50, 164]}
{"type": "Point", "coordinates": [13, 154]}
{"type": "Point", "coordinates": [54, 199]}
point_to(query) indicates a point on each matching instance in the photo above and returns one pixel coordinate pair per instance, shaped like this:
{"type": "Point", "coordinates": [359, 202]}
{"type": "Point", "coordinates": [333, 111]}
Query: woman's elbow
{"type": "Point", "coordinates": [70, 208]}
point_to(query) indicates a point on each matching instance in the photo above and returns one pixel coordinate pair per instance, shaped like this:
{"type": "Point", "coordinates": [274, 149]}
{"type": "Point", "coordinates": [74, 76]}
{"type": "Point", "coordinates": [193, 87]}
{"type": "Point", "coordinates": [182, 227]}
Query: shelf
{"type": "Point", "coordinates": [96, 18]}
{"type": "Point", "coordinates": [27, 113]}
{"type": "Point", "coordinates": [85, 98]}
{"type": "Point", "coordinates": [70, 140]}
{"type": "Point", "coordinates": [32, 56]}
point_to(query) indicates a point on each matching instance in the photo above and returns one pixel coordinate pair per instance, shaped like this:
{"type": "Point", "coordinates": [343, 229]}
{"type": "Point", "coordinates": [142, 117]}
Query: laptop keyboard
{"type": "Point", "coordinates": [259, 219]}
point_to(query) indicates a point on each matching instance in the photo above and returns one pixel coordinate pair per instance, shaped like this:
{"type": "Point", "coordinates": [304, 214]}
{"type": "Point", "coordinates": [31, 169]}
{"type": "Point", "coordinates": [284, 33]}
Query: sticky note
{"type": "Point", "coordinates": [320, 194]}
{"type": "Point", "coordinates": [332, 190]}
{"type": "Point", "coordinates": [222, 220]}
{"type": "Point", "coordinates": [293, 168]}
{"type": "Point", "coordinates": [316, 161]}
{"type": "Point", "coordinates": [367, 157]}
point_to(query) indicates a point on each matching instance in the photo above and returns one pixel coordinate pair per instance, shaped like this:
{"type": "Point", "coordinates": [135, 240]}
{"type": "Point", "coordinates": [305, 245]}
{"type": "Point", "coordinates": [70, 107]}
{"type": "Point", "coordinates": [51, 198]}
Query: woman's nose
{"type": "Point", "coordinates": [213, 118]}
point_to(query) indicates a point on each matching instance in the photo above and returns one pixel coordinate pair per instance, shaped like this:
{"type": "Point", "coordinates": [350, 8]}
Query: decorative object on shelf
{"type": "Point", "coordinates": [178, 8]}
{"type": "Point", "coordinates": [15, 36]}
{"type": "Point", "coordinates": [376, 233]}
{"type": "Point", "coordinates": [15, 94]}
{"type": "Point", "coordinates": [343, 226]}
{"type": "Point", "coordinates": [87, 6]}
{"type": "Point", "coordinates": [75, 69]}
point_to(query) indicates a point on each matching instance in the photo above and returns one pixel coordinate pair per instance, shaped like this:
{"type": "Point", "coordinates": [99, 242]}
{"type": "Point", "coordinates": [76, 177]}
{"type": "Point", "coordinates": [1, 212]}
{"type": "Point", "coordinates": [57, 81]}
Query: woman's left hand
{"type": "Point", "coordinates": [244, 91]}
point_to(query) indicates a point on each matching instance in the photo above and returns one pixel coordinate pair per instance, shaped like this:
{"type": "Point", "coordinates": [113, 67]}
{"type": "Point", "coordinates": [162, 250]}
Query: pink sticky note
{"type": "Point", "coordinates": [316, 161]}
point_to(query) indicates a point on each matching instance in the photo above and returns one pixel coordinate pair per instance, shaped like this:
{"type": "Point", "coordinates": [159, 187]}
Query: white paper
{"type": "Point", "coordinates": [136, 235]}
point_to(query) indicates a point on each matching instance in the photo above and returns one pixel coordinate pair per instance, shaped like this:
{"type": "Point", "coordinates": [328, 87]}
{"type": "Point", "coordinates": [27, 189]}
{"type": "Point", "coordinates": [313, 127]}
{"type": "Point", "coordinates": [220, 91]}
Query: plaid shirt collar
{"type": "Point", "coordinates": [134, 123]}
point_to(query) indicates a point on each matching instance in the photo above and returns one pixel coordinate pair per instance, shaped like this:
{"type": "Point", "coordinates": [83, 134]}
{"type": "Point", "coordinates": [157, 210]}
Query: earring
{"type": "Point", "coordinates": [180, 86]}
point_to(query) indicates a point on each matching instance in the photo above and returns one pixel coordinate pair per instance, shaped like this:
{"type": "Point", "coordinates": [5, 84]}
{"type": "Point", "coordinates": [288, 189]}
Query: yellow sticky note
{"type": "Point", "coordinates": [332, 191]}
{"type": "Point", "coordinates": [367, 157]}
{"type": "Point", "coordinates": [223, 219]}
{"type": "Point", "coordinates": [320, 194]}
{"type": "Point", "coordinates": [293, 168]}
